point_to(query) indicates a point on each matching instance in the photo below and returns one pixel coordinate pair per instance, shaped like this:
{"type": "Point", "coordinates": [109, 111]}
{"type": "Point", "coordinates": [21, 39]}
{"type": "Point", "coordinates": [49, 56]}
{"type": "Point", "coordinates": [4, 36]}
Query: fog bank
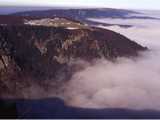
{"type": "Point", "coordinates": [128, 83]}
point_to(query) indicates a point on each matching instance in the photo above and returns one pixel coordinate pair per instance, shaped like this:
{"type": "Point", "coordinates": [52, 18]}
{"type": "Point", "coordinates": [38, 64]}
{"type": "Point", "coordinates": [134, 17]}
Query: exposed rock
{"type": "Point", "coordinates": [43, 51]}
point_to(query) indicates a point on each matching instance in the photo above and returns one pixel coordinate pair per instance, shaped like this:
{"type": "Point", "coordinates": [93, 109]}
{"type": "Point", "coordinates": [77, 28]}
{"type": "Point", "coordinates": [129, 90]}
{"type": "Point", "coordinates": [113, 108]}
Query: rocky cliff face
{"type": "Point", "coordinates": [43, 51]}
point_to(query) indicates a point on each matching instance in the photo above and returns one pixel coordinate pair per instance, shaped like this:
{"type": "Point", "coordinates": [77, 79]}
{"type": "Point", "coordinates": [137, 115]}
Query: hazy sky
{"type": "Point", "coordinates": [134, 4]}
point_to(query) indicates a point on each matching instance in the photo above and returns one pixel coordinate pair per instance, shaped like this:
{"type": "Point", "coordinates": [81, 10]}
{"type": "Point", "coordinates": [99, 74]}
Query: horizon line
{"type": "Point", "coordinates": [74, 7]}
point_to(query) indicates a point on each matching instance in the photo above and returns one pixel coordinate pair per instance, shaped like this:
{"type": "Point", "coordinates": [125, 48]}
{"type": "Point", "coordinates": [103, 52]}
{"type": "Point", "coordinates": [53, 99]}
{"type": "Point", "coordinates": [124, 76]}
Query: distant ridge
{"type": "Point", "coordinates": [82, 15]}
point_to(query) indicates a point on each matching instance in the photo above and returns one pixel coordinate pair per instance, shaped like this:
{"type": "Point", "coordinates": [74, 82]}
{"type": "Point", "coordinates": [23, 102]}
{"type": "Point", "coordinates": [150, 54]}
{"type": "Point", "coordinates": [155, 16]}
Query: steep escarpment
{"type": "Point", "coordinates": [48, 50]}
{"type": "Point", "coordinates": [41, 50]}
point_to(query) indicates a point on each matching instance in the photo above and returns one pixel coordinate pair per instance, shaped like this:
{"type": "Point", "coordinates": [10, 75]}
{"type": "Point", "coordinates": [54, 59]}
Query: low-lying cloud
{"type": "Point", "coordinates": [125, 84]}
{"type": "Point", "coordinates": [128, 83]}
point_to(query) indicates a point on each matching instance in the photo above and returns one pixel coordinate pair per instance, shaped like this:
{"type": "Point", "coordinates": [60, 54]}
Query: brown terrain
{"type": "Point", "coordinates": [42, 50]}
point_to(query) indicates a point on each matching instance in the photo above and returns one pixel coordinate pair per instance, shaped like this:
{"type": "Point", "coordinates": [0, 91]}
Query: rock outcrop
{"type": "Point", "coordinates": [43, 51]}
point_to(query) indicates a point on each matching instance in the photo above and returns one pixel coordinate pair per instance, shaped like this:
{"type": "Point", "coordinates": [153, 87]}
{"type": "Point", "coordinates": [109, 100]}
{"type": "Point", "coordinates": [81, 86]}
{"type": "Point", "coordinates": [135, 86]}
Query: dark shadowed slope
{"type": "Point", "coordinates": [56, 108]}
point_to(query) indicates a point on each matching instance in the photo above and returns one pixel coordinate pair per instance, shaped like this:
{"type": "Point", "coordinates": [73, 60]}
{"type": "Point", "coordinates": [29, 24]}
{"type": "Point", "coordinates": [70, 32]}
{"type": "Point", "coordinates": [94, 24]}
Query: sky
{"type": "Point", "coordinates": [132, 4]}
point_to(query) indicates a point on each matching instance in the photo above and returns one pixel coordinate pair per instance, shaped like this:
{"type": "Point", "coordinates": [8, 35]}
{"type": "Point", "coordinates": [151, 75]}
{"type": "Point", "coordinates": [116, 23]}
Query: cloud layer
{"type": "Point", "coordinates": [128, 83]}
